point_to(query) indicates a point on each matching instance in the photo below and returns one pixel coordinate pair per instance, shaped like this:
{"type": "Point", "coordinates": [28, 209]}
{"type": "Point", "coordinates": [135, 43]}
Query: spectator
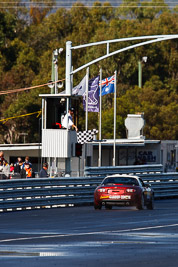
{"type": "Point", "coordinates": [11, 167]}
{"type": "Point", "coordinates": [43, 172]}
{"type": "Point", "coordinates": [26, 172]}
{"type": "Point", "coordinates": [22, 173]}
{"type": "Point", "coordinates": [27, 161]}
{"type": "Point", "coordinates": [1, 169]}
{"type": "Point", "coordinates": [1, 166]}
{"type": "Point", "coordinates": [1, 156]}
{"type": "Point", "coordinates": [11, 170]}
{"type": "Point", "coordinates": [6, 170]}
{"type": "Point", "coordinates": [18, 165]}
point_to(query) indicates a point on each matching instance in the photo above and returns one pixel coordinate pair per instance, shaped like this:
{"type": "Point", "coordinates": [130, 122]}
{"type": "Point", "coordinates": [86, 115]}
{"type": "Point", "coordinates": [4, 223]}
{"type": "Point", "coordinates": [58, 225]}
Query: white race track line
{"type": "Point", "coordinates": [88, 233]}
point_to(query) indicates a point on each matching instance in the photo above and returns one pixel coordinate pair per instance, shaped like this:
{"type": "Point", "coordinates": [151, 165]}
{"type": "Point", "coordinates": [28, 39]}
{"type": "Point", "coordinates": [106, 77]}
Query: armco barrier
{"type": "Point", "coordinates": [36, 193]}
{"type": "Point", "coordinates": [132, 169]}
{"type": "Point", "coordinates": [46, 192]}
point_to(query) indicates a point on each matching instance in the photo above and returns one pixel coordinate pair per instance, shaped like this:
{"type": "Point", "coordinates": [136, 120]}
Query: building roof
{"type": "Point", "coordinates": [126, 142]}
{"type": "Point", "coordinates": [28, 146]}
{"type": "Point", "coordinates": [104, 142]}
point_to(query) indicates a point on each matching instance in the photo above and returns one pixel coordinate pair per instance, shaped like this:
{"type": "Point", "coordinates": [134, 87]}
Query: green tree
{"type": "Point", "coordinates": [26, 46]}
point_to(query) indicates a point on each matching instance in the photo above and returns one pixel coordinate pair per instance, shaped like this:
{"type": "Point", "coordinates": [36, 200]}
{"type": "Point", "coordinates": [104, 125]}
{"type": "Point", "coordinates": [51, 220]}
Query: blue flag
{"type": "Point", "coordinates": [107, 85]}
{"type": "Point", "coordinates": [93, 95]}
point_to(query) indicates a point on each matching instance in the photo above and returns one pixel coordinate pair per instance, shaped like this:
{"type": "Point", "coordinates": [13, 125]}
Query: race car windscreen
{"type": "Point", "coordinates": [120, 180]}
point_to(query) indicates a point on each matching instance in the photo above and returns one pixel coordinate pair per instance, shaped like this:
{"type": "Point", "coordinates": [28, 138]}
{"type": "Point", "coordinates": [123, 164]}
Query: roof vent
{"type": "Point", "coordinates": [134, 126]}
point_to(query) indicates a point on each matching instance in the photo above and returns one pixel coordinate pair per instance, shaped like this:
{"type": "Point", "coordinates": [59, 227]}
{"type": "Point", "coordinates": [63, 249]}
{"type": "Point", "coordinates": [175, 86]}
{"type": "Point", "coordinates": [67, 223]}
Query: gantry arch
{"type": "Point", "coordinates": [69, 48]}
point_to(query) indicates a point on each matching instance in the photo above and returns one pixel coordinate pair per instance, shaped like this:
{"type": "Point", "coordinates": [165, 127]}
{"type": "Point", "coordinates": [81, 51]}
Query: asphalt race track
{"type": "Point", "coordinates": [81, 236]}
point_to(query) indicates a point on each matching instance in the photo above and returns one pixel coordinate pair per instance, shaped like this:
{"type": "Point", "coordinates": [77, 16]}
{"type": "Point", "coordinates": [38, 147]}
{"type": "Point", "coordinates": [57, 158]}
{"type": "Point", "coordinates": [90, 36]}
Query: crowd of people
{"type": "Point", "coordinates": [20, 169]}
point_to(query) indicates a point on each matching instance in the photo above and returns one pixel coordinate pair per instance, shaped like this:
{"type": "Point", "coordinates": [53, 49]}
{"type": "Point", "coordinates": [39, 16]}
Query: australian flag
{"type": "Point", "coordinates": [107, 85]}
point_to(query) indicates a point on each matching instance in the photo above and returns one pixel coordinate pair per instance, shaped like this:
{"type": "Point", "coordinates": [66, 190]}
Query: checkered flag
{"type": "Point", "coordinates": [86, 136]}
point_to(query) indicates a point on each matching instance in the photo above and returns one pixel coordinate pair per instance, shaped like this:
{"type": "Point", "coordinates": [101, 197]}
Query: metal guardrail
{"type": "Point", "coordinates": [165, 185]}
{"type": "Point", "coordinates": [36, 193]}
{"type": "Point", "coordinates": [132, 169]}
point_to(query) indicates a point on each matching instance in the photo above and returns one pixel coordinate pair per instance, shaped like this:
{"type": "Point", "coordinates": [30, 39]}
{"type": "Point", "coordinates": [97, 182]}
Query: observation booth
{"type": "Point", "coordinates": [58, 144]}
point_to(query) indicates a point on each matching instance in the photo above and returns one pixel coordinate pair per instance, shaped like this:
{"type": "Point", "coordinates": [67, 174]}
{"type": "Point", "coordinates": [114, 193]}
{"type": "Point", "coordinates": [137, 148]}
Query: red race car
{"type": "Point", "coordinates": [123, 190]}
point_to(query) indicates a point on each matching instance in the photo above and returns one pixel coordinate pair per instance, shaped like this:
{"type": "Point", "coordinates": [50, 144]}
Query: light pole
{"type": "Point", "coordinates": [144, 59]}
{"type": "Point", "coordinates": [54, 73]}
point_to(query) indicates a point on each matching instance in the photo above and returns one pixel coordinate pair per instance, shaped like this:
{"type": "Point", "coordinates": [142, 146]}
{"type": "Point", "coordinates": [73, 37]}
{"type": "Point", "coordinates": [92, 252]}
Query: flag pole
{"type": "Point", "coordinates": [99, 159]}
{"type": "Point", "coordinates": [86, 114]}
{"type": "Point", "coordinates": [114, 144]}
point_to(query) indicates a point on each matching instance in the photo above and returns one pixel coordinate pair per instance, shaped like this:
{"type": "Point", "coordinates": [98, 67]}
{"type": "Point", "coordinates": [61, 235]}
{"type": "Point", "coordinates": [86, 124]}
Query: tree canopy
{"type": "Point", "coordinates": [28, 36]}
